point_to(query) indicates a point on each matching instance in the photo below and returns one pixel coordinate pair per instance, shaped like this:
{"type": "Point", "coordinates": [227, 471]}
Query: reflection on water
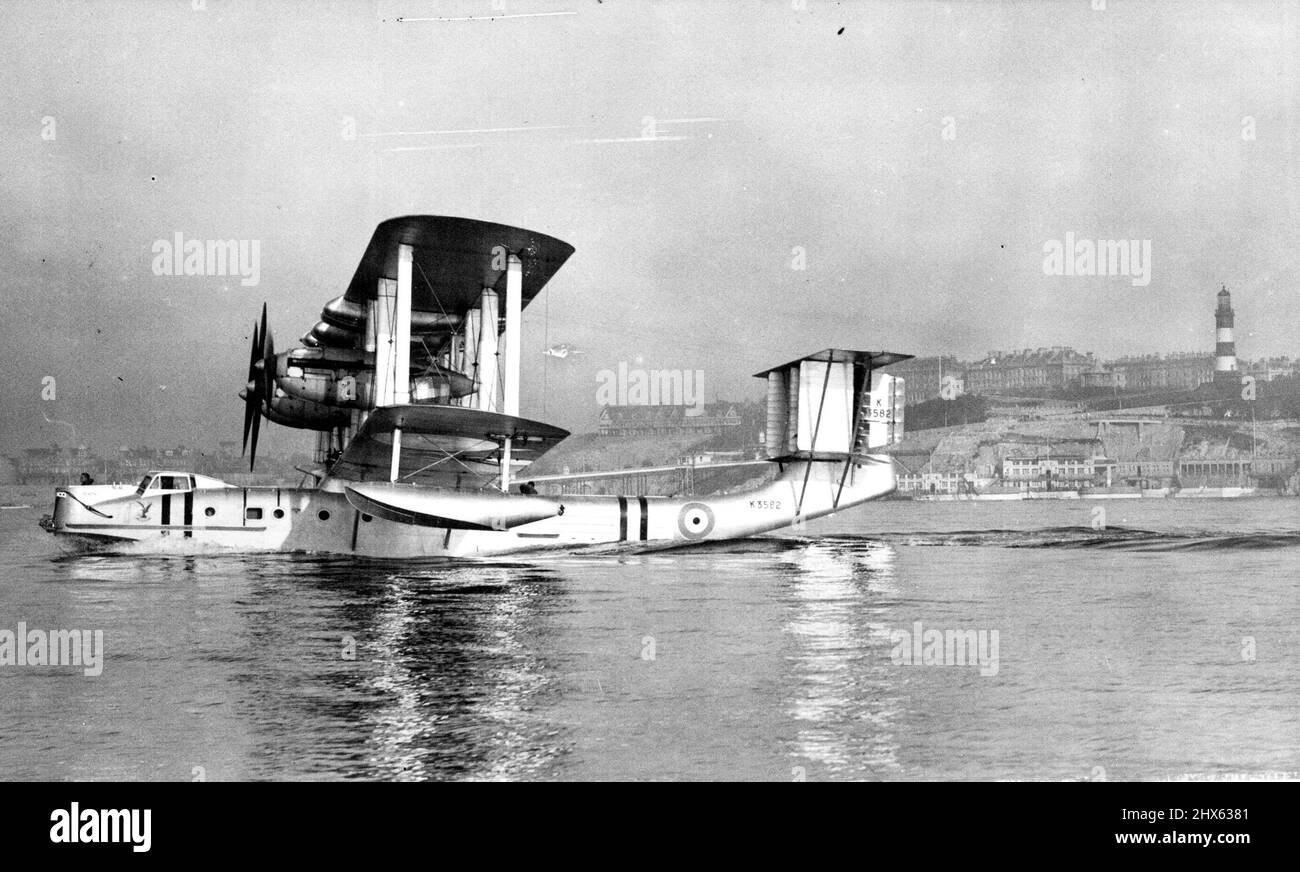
{"type": "Point", "coordinates": [839, 676]}
{"type": "Point", "coordinates": [1122, 651]}
{"type": "Point", "coordinates": [399, 727]}
{"type": "Point", "coordinates": [457, 674]}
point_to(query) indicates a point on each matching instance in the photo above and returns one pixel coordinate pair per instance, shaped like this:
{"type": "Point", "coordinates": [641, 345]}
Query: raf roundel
{"type": "Point", "coordinates": [695, 520]}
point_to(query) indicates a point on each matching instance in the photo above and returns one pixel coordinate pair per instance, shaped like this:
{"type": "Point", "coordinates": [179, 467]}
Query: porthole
{"type": "Point", "coordinates": [323, 515]}
{"type": "Point", "coordinates": [278, 513]}
{"type": "Point", "coordinates": [366, 518]}
{"type": "Point", "coordinates": [209, 511]}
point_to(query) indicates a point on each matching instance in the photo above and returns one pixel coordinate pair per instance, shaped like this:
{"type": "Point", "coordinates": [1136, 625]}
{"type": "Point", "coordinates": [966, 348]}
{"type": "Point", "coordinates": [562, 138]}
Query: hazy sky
{"type": "Point", "coordinates": [918, 155]}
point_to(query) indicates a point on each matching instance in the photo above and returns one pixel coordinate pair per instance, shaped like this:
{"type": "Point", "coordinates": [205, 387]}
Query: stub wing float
{"type": "Point", "coordinates": [411, 379]}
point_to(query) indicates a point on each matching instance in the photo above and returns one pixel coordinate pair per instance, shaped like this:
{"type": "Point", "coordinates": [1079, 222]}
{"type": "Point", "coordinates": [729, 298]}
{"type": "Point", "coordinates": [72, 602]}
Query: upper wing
{"type": "Point", "coordinates": [459, 257]}
{"type": "Point", "coordinates": [453, 259]}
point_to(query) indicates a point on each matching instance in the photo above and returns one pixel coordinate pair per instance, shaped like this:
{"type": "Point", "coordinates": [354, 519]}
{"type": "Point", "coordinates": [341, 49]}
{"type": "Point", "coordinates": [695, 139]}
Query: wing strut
{"type": "Point", "coordinates": [396, 466]}
{"type": "Point", "coordinates": [860, 379]}
{"type": "Point", "coordinates": [817, 426]}
{"type": "Point", "coordinates": [393, 345]}
{"type": "Point", "coordinates": [510, 392]}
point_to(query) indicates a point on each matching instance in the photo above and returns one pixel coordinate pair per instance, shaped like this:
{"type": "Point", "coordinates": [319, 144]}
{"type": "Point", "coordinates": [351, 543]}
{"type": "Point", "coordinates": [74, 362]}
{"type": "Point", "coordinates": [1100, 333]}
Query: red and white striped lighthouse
{"type": "Point", "coordinates": [1225, 351]}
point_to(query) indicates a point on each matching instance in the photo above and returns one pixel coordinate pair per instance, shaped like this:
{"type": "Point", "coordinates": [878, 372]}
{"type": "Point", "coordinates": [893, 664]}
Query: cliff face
{"type": "Point", "coordinates": [982, 446]}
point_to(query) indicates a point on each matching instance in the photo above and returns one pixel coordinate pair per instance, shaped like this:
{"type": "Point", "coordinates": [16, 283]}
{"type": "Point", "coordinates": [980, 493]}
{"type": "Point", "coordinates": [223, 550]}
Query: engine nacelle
{"type": "Point", "coordinates": [304, 414]}
{"type": "Point", "coordinates": [343, 388]}
{"type": "Point", "coordinates": [337, 378]}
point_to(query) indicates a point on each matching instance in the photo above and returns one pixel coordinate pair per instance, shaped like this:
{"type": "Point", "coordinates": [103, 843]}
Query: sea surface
{"type": "Point", "coordinates": [1136, 639]}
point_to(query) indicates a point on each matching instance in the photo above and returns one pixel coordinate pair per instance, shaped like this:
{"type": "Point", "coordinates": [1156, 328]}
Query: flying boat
{"type": "Point", "coordinates": [411, 380]}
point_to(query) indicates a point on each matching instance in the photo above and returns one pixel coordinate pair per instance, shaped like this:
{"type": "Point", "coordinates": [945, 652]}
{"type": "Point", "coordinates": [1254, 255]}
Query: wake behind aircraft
{"type": "Point", "coordinates": [411, 380]}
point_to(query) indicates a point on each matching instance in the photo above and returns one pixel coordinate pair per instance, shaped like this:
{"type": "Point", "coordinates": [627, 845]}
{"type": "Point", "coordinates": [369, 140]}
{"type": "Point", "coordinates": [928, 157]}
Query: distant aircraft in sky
{"type": "Point", "coordinates": [562, 350]}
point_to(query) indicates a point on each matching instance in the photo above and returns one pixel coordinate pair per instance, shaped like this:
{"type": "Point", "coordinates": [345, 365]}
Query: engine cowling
{"type": "Point", "coordinates": [341, 378]}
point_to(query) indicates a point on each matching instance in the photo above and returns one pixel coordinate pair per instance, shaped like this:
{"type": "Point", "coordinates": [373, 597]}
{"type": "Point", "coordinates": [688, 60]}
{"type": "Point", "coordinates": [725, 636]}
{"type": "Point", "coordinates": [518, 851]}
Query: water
{"type": "Point", "coordinates": [1123, 653]}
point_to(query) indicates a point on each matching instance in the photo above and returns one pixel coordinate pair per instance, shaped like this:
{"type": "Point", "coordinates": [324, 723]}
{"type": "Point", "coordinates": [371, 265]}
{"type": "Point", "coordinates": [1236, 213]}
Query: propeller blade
{"type": "Point", "coordinates": [252, 457]}
{"type": "Point", "coordinates": [255, 350]}
{"type": "Point", "coordinates": [268, 369]}
{"type": "Point", "coordinates": [263, 333]}
{"type": "Point", "coordinates": [249, 397]}
{"type": "Point", "coordinates": [250, 409]}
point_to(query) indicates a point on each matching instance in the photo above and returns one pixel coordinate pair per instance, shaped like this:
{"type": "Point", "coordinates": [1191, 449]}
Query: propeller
{"type": "Point", "coordinates": [261, 383]}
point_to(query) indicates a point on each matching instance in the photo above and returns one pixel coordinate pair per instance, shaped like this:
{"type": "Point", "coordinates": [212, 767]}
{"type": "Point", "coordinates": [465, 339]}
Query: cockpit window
{"type": "Point", "coordinates": [144, 484]}
{"type": "Point", "coordinates": [172, 482]}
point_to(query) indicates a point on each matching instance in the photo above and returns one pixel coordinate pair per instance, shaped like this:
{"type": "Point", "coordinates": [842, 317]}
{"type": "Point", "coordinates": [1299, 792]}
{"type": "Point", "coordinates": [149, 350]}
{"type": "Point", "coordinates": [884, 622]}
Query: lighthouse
{"type": "Point", "coordinates": [1225, 352]}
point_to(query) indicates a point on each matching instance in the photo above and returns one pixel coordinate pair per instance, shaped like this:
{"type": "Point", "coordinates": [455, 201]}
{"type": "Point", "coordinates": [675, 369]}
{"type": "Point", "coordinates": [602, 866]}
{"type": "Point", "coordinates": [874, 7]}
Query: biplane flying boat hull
{"type": "Point", "coordinates": [403, 523]}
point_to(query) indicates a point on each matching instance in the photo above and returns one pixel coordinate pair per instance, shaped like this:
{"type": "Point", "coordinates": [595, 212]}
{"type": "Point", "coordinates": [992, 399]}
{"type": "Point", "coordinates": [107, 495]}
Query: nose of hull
{"type": "Point", "coordinates": [75, 505]}
{"type": "Point", "coordinates": [64, 512]}
{"type": "Point", "coordinates": [56, 522]}
{"type": "Point", "coordinates": [77, 523]}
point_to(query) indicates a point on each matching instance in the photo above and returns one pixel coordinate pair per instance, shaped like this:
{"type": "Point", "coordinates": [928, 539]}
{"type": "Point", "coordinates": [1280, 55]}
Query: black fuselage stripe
{"type": "Point", "coordinates": [189, 513]}
{"type": "Point", "coordinates": [645, 518]}
{"type": "Point", "coordinates": [167, 510]}
{"type": "Point", "coordinates": [356, 522]}
{"type": "Point", "coordinates": [622, 518]}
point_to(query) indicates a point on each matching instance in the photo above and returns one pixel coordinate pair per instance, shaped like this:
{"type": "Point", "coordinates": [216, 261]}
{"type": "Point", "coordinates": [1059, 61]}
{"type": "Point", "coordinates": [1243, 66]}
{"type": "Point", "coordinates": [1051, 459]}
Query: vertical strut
{"type": "Point", "coordinates": [402, 328]}
{"type": "Point", "coordinates": [397, 454]}
{"type": "Point", "coordinates": [514, 315]}
{"type": "Point", "coordinates": [487, 351]}
{"type": "Point", "coordinates": [510, 392]}
{"type": "Point", "coordinates": [817, 426]}
{"type": "Point", "coordinates": [860, 392]}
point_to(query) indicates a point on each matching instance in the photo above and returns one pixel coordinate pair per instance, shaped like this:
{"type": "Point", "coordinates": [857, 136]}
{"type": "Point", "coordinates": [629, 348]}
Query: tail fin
{"type": "Point", "coordinates": [833, 405]}
{"type": "Point", "coordinates": [880, 414]}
